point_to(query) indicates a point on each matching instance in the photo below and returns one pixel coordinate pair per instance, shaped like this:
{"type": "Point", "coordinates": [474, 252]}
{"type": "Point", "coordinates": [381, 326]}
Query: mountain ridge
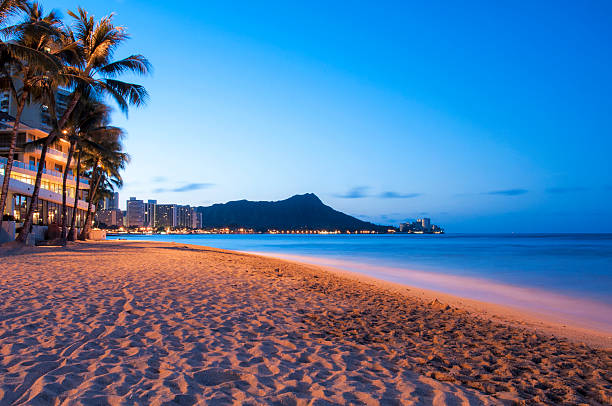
{"type": "Point", "coordinates": [298, 212]}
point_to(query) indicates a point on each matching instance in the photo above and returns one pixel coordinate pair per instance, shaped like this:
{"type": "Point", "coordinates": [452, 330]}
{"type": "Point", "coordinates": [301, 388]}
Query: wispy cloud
{"type": "Point", "coordinates": [185, 188]}
{"type": "Point", "coordinates": [192, 186]}
{"type": "Point", "coordinates": [508, 192]}
{"type": "Point", "coordinates": [563, 190]}
{"type": "Point", "coordinates": [159, 179]}
{"type": "Point", "coordinates": [357, 192]}
{"type": "Point", "coordinates": [395, 195]}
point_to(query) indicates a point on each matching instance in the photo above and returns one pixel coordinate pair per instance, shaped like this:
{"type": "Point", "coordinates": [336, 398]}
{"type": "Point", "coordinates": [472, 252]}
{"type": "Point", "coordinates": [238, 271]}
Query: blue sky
{"type": "Point", "coordinates": [484, 116]}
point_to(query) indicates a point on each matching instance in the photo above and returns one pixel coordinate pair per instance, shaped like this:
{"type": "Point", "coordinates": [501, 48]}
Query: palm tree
{"type": "Point", "coordinates": [70, 236]}
{"type": "Point", "coordinates": [106, 188]}
{"type": "Point", "coordinates": [24, 79]}
{"type": "Point", "coordinates": [89, 121]}
{"type": "Point", "coordinates": [8, 8]}
{"type": "Point", "coordinates": [106, 163]}
{"type": "Point", "coordinates": [89, 132]}
{"type": "Point", "coordinates": [95, 74]}
{"type": "Point", "coordinates": [12, 49]}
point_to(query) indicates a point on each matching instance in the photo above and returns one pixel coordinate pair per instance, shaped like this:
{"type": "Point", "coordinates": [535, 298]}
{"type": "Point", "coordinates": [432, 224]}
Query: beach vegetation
{"type": "Point", "coordinates": [106, 160]}
{"type": "Point", "coordinates": [25, 65]}
{"type": "Point", "coordinates": [41, 55]}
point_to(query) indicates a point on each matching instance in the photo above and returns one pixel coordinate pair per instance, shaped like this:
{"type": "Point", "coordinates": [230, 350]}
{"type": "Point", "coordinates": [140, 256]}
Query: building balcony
{"type": "Point", "coordinates": [32, 169]}
{"type": "Point", "coordinates": [24, 189]}
{"type": "Point", "coordinates": [53, 154]}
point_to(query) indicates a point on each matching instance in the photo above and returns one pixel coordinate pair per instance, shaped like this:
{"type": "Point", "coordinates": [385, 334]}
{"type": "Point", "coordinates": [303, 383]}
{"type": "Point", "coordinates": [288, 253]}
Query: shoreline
{"type": "Point", "coordinates": [546, 318]}
{"type": "Point", "coordinates": [561, 323]}
{"type": "Point", "coordinates": [151, 322]}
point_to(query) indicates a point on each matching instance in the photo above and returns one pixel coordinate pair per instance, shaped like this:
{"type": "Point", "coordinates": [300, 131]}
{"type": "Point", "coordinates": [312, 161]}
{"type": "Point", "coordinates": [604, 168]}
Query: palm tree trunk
{"type": "Point", "coordinates": [11, 154]}
{"type": "Point", "coordinates": [71, 233]}
{"type": "Point", "coordinates": [64, 179]}
{"type": "Point", "coordinates": [27, 225]}
{"type": "Point", "coordinates": [87, 225]}
{"type": "Point", "coordinates": [76, 96]}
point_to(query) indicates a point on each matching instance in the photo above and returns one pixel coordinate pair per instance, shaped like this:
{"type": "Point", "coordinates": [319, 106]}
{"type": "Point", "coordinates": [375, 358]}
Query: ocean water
{"type": "Point", "coordinates": [560, 267]}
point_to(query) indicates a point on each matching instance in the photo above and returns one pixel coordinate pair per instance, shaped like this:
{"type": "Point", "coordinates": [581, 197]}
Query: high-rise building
{"type": "Point", "coordinates": [150, 209]}
{"type": "Point", "coordinates": [421, 225]}
{"type": "Point", "coordinates": [425, 223]}
{"type": "Point", "coordinates": [113, 202]}
{"type": "Point", "coordinates": [197, 219]}
{"type": "Point", "coordinates": [110, 203]}
{"type": "Point", "coordinates": [166, 215]}
{"type": "Point", "coordinates": [35, 115]}
{"type": "Point", "coordinates": [118, 217]}
{"type": "Point", "coordinates": [110, 218]}
{"type": "Point", "coordinates": [185, 215]}
{"type": "Point", "coordinates": [135, 212]}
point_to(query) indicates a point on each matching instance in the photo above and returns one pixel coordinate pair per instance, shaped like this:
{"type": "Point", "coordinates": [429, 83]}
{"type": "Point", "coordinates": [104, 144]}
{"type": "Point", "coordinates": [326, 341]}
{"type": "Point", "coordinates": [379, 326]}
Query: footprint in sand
{"type": "Point", "coordinates": [216, 376]}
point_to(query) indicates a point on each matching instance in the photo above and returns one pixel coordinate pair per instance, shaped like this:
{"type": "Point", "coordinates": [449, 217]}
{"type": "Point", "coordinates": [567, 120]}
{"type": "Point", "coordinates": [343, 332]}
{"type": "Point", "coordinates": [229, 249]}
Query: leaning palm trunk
{"type": "Point", "coordinates": [87, 224]}
{"type": "Point", "coordinates": [64, 192]}
{"type": "Point", "coordinates": [9, 162]}
{"type": "Point", "coordinates": [71, 233]}
{"type": "Point", "coordinates": [27, 225]}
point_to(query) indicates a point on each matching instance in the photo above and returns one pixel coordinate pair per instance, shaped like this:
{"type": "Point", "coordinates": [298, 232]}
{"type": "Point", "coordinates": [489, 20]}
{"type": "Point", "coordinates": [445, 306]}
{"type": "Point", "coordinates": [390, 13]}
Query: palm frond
{"type": "Point", "coordinates": [10, 8]}
{"type": "Point", "coordinates": [84, 24]}
{"type": "Point", "coordinates": [33, 57]}
{"type": "Point", "coordinates": [116, 132]}
{"type": "Point", "coordinates": [132, 64]}
{"type": "Point", "coordinates": [125, 93]}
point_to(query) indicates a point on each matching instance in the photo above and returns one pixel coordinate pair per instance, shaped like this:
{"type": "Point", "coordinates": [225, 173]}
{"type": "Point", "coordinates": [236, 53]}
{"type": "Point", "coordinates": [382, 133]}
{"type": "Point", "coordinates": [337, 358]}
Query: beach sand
{"type": "Point", "coordinates": [158, 323]}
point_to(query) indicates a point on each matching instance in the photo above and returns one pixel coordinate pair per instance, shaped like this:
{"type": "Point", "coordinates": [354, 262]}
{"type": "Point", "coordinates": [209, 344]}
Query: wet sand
{"type": "Point", "coordinates": [576, 318]}
{"type": "Point", "coordinates": [158, 323]}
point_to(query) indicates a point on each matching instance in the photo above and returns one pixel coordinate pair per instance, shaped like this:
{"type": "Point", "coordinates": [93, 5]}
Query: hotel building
{"type": "Point", "coordinates": [110, 217]}
{"type": "Point", "coordinates": [166, 215]}
{"type": "Point", "coordinates": [110, 203]}
{"type": "Point", "coordinates": [185, 216]}
{"type": "Point", "coordinates": [25, 166]}
{"type": "Point", "coordinates": [150, 211]}
{"type": "Point", "coordinates": [425, 223]}
{"type": "Point", "coordinates": [149, 214]}
{"type": "Point", "coordinates": [35, 114]}
{"type": "Point", "coordinates": [135, 212]}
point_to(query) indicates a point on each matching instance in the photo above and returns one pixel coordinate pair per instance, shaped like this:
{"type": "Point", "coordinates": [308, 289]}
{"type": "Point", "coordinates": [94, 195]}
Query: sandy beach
{"type": "Point", "coordinates": [120, 322]}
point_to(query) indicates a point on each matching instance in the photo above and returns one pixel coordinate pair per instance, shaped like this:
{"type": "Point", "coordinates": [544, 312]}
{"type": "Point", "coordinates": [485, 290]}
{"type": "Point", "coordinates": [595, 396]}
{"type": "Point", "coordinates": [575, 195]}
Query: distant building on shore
{"type": "Point", "coordinates": [110, 218]}
{"type": "Point", "coordinates": [166, 216]}
{"type": "Point", "coordinates": [197, 220]}
{"type": "Point", "coordinates": [135, 212]}
{"type": "Point", "coordinates": [425, 223]}
{"type": "Point", "coordinates": [150, 213]}
{"type": "Point", "coordinates": [188, 217]}
{"type": "Point", "coordinates": [110, 203]}
{"type": "Point", "coordinates": [420, 226]}
{"type": "Point", "coordinates": [183, 216]}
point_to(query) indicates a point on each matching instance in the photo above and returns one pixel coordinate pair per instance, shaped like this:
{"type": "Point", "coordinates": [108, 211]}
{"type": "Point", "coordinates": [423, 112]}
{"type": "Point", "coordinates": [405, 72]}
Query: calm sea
{"type": "Point", "coordinates": [472, 265]}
